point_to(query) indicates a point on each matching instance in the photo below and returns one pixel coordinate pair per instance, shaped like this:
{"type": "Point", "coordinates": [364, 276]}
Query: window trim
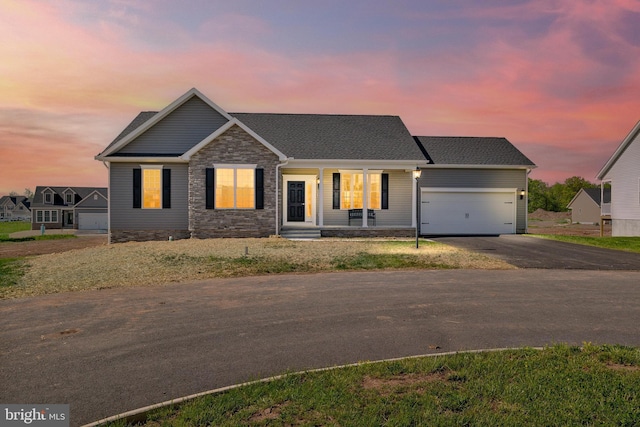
{"type": "Point", "coordinates": [360, 172]}
{"type": "Point", "coordinates": [48, 195]}
{"type": "Point", "coordinates": [41, 216]}
{"type": "Point", "coordinates": [217, 167]}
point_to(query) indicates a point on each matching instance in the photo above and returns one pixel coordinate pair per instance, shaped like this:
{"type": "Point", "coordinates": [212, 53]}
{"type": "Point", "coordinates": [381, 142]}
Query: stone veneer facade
{"type": "Point", "coordinates": [235, 146]}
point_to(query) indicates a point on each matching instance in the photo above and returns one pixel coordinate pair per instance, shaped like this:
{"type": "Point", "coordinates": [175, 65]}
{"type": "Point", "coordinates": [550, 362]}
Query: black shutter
{"type": "Point", "coordinates": [385, 191]}
{"type": "Point", "coordinates": [259, 188]}
{"type": "Point", "coordinates": [209, 188]}
{"type": "Point", "coordinates": [137, 188]}
{"type": "Point", "coordinates": [166, 188]}
{"type": "Point", "coordinates": [336, 191]}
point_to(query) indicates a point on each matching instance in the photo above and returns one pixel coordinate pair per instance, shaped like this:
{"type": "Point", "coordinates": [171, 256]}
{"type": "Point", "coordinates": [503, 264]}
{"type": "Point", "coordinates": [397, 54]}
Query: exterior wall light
{"type": "Point", "coordinates": [522, 193]}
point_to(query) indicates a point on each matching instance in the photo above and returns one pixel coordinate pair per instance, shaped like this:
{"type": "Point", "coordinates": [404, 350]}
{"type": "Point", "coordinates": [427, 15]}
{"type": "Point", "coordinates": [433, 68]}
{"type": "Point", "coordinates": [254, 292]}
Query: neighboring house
{"type": "Point", "coordinates": [195, 170]}
{"type": "Point", "coordinates": [82, 208]}
{"type": "Point", "coordinates": [586, 205]}
{"type": "Point", "coordinates": [15, 208]}
{"type": "Point", "coordinates": [622, 171]}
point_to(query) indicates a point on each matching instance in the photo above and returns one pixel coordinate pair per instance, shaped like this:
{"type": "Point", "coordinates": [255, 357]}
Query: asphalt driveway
{"type": "Point", "coordinates": [534, 252]}
{"type": "Point", "coordinates": [109, 351]}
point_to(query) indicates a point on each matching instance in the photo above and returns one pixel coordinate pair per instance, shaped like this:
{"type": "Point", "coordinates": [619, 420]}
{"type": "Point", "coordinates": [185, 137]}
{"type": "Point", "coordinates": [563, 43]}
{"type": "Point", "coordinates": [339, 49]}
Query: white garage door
{"type": "Point", "coordinates": [490, 211]}
{"type": "Point", "coordinates": [92, 221]}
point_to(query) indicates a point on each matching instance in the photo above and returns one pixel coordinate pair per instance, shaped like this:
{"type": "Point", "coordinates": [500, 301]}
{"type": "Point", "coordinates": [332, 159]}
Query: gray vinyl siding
{"type": "Point", "coordinates": [481, 178]}
{"type": "Point", "coordinates": [398, 214]}
{"type": "Point", "coordinates": [182, 129]}
{"type": "Point", "coordinates": [124, 216]}
{"type": "Point", "coordinates": [89, 202]}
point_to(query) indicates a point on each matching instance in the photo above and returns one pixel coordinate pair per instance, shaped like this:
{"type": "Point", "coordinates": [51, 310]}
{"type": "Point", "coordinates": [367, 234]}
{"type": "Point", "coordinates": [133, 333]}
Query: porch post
{"type": "Point", "coordinates": [414, 201]}
{"type": "Point", "coordinates": [365, 199]}
{"type": "Point", "coordinates": [321, 197]}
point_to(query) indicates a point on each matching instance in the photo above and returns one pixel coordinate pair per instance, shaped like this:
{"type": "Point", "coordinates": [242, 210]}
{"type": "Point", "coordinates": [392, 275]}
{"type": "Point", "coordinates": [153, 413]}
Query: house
{"type": "Point", "coordinates": [15, 208]}
{"type": "Point", "coordinates": [623, 173]}
{"type": "Point", "coordinates": [82, 208]}
{"type": "Point", "coordinates": [196, 170]}
{"type": "Point", "coordinates": [586, 205]}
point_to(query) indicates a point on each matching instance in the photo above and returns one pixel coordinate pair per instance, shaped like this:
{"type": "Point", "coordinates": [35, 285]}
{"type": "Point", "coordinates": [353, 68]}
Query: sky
{"type": "Point", "coordinates": [559, 78]}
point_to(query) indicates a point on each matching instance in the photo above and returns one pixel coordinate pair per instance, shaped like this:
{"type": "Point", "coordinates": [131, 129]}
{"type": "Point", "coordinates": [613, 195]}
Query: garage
{"type": "Point", "coordinates": [92, 221]}
{"type": "Point", "coordinates": [446, 211]}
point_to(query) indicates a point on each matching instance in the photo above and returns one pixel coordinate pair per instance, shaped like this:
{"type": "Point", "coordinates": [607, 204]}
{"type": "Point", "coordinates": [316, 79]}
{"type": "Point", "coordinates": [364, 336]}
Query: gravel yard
{"type": "Point", "coordinates": [87, 262]}
{"type": "Point", "coordinates": [157, 263]}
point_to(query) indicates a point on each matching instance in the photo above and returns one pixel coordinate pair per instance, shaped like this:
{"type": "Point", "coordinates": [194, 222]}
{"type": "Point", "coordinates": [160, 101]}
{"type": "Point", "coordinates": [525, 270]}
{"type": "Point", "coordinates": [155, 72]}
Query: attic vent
{"type": "Point", "coordinates": [95, 197]}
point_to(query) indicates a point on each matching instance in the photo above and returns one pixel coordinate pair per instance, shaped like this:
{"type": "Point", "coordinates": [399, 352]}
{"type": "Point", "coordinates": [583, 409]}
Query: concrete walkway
{"type": "Point", "coordinates": [106, 352]}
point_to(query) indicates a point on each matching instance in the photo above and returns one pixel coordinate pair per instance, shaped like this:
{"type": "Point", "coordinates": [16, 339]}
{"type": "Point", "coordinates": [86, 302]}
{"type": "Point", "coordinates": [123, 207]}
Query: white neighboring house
{"type": "Point", "coordinates": [622, 171]}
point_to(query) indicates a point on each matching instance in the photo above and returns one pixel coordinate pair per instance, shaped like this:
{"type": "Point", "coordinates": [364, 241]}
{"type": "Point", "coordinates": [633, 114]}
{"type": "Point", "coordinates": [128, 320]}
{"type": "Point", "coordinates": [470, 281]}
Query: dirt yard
{"type": "Point", "coordinates": [41, 247]}
{"type": "Point", "coordinates": [543, 222]}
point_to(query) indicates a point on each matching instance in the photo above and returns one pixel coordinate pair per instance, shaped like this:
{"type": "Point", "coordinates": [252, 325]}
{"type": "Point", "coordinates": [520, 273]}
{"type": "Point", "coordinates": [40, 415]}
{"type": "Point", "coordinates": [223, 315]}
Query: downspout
{"type": "Point", "coordinates": [278, 166]}
{"type": "Point", "coordinates": [106, 165]}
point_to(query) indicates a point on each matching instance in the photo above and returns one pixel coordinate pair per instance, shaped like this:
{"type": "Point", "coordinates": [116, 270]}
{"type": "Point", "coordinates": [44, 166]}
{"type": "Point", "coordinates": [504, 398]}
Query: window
{"type": "Point", "coordinates": [47, 197]}
{"type": "Point", "coordinates": [68, 198]}
{"type": "Point", "coordinates": [234, 188]}
{"type": "Point", "coordinates": [46, 216]}
{"type": "Point", "coordinates": [352, 187]}
{"type": "Point", "coordinates": [151, 188]}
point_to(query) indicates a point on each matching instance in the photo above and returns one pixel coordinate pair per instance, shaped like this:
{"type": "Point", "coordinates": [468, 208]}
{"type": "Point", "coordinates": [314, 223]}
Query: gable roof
{"type": "Point", "coordinates": [484, 151]}
{"type": "Point", "coordinates": [621, 149]}
{"type": "Point", "coordinates": [333, 136]}
{"type": "Point", "coordinates": [15, 200]}
{"type": "Point", "coordinates": [139, 125]}
{"type": "Point", "coordinates": [81, 192]}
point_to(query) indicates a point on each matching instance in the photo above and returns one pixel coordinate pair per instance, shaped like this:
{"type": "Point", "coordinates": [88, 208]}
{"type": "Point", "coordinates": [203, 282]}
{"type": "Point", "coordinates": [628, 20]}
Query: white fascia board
{"type": "Point", "coordinates": [469, 190]}
{"type": "Point", "coordinates": [161, 115]}
{"type": "Point", "coordinates": [115, 159]}
{"type": "Point", "coordinates": [616, 155]}
{"type": "Point", "coordinates": [351, 163]}
{"type": "Point", "coordinates": [456, 166]}
{"type": "Point", "coordinates": [233, 122]}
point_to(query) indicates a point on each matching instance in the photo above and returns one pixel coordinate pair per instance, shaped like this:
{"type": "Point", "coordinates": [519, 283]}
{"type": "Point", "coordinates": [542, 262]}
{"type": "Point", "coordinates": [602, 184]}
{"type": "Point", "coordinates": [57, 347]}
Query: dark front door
{"type": "Point", "coordinates": [295, 201]}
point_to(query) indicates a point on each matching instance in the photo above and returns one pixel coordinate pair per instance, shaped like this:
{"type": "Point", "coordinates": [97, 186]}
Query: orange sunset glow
{"type": "Point", "coordinates": [559, 79]}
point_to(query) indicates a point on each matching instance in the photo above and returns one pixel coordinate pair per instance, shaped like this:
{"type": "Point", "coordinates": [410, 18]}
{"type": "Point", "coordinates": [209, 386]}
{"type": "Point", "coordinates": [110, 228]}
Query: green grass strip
{"type": "Point", "coordinates": [11, 270]}
{"type": "Point", "coordinates": [560, 385]}
{"type": "Point", "coordinates": [629, 244]}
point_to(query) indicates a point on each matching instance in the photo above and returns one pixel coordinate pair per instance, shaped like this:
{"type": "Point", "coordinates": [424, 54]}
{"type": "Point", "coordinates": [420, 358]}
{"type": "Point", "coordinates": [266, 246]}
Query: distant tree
{"type": "Point", "coordinates": [27, 193]}
{"type": "Point", "coordinates": [538, 195]}
{"type": "Point", "coordinates": [556, 197]}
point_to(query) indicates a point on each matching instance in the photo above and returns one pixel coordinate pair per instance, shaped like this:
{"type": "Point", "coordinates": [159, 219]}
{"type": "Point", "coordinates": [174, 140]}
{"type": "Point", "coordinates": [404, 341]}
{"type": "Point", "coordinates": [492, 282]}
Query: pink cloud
{"type": "Point", "coordinates": [93, 73]}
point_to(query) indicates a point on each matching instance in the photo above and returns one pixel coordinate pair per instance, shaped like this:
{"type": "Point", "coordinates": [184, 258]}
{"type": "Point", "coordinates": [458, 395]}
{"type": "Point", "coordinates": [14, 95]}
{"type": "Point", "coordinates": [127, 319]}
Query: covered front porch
{"type": "Point", "coordinates": [330, 200]}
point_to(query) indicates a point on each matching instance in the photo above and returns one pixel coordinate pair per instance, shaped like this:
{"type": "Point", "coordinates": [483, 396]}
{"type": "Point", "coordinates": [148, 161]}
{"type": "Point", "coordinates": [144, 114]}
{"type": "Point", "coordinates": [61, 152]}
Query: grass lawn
{"type": "Point", "coordinates": [559, 385]}
{"type": "Point", "coordinates": [630, 244]}
{"type": "Point", "coordinates": [9, 227]}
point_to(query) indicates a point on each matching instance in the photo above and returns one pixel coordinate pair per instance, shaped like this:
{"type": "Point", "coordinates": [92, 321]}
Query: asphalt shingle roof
{"type": "Point", "coordinates": [330, 136]}
{"type": "Point", "coordinates": [595, 194]}
{"type": "Point", "coordinates": [460, 150]}
{"type": "Point", "coordinates": [82, 192]}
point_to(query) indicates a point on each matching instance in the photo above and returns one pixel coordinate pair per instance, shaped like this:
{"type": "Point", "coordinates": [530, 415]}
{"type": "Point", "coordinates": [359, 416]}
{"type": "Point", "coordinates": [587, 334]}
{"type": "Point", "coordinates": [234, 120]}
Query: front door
{"type": "Point", "coordinates": [295, 201]}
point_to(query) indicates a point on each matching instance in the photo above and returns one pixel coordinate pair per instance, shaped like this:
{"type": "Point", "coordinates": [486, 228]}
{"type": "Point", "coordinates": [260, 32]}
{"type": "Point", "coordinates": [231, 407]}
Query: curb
{"type": "Point", "coordinates": [140, 414]}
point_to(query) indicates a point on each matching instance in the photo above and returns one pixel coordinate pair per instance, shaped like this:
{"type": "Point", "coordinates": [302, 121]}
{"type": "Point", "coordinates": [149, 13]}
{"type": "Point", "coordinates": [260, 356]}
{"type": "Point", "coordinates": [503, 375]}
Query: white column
{"type": "Point", "coordinates": [365, 198]}
{"type": "Point", "coordinates": [321, 198]}
{"type": "Point", "coordinates": [414, 200]}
